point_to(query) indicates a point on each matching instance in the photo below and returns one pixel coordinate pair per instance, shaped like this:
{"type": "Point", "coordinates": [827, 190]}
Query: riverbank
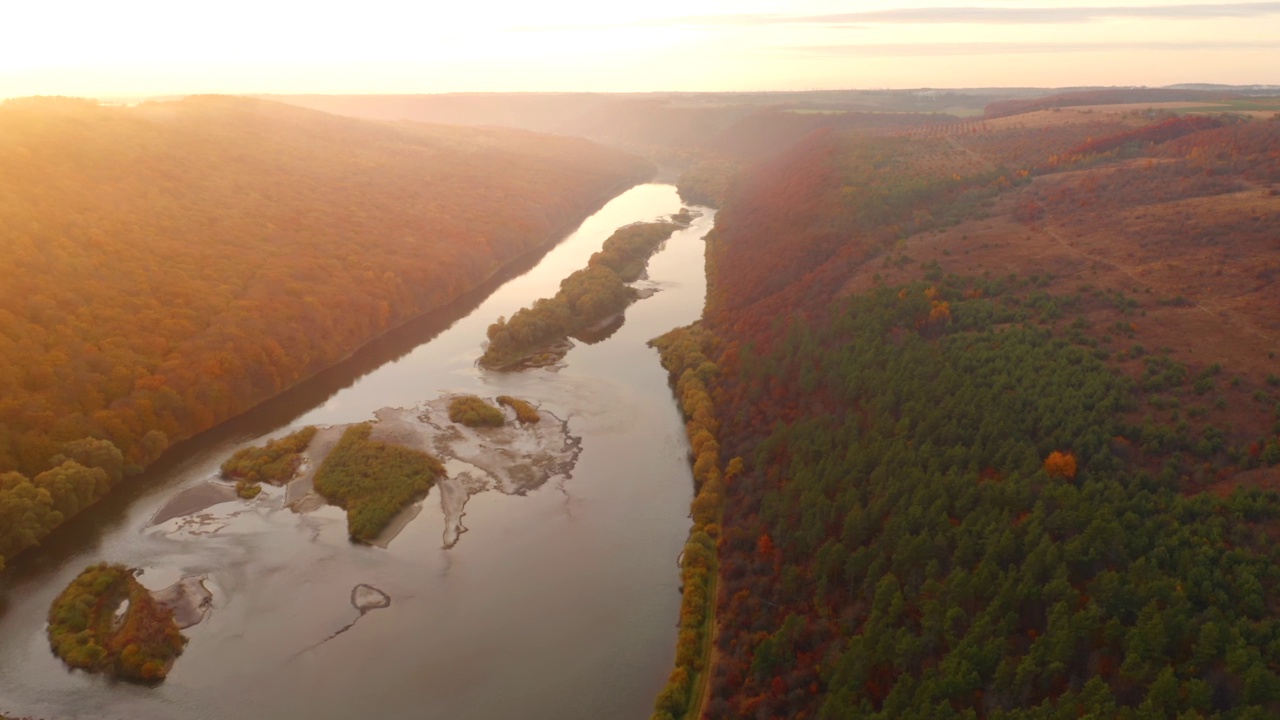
{"type": "Point", "coordinates": [684, 356]}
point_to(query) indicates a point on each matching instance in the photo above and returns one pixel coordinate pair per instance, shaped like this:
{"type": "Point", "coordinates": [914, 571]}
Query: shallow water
{"type": "Point", "coordinates": [559, 604]}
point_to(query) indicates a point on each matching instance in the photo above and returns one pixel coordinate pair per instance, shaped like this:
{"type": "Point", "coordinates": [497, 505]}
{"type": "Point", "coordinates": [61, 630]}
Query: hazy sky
{"type": "Point", "coordinates": [109, 48]}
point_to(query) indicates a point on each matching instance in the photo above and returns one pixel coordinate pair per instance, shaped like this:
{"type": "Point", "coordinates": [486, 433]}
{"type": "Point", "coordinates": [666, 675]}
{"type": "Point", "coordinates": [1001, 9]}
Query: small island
{"type": "Point", "coordinates": [275, 463]}
{"type": "Point", "coordinates": [107, 622]}
{"type": "Point", "coordinates": [374, 480]}
{"type": "Point", "coordinates": [538, 335]}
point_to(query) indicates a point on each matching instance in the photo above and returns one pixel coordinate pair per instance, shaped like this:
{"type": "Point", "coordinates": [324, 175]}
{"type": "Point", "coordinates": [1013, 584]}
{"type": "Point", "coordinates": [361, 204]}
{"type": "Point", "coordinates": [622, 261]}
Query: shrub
{"type": "Point", "coordinates": [525, 412]}
{"type": "Point", "coordinates": [275, 462]}
{"type": "Point", "coordinates": [472, 411]}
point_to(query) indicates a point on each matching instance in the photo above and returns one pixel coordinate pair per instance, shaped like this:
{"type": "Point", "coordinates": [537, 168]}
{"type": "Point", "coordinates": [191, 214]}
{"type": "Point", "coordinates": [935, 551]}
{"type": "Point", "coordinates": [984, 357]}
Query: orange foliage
{"type": "Point", "coordinates": [1060, 464]}
{"type": "Point", "coordinates": [939, 312]}
{"type": "Point", "coordinates": [226, 248]}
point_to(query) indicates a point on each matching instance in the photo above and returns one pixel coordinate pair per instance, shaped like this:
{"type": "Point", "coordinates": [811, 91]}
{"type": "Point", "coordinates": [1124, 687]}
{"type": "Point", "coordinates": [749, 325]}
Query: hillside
{"type": "Point", "coordinates": [998, 408]}
{"type": "Point", "coordinates": [170, 265]}
{"type": "Point", "coordinates": [672, 128]}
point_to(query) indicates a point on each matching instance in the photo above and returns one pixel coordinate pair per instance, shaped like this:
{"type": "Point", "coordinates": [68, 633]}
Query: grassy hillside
{"type": "Point", "coordinates": [170, 265]}
{"type": "Point", "coordinates": [1008, 407]}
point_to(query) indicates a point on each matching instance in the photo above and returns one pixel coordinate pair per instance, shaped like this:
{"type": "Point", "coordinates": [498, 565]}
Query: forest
{"type": "Point", "coordinates": [971, 475]}
{"type": "Point", "coordinates": [171, 265]}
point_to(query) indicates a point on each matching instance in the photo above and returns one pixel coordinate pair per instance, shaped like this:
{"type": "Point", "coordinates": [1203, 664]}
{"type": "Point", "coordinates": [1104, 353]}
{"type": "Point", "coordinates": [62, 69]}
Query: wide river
{"type": "Point", "coordinates": [561, 603]}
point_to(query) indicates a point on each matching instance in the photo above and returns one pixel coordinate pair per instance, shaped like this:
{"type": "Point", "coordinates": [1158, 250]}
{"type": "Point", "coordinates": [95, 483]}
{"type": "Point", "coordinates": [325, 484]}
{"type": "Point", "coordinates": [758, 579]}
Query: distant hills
{"type": "Point", "coordinates": [676, 128]}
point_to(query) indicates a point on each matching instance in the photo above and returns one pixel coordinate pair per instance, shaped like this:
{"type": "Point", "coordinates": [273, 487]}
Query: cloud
{"type": "Point", "coordinates": [998, 48]}
{"type": "Point", "coordinates": [957, 15]}
{"type": "Point", "coordinates": [1039, 15]}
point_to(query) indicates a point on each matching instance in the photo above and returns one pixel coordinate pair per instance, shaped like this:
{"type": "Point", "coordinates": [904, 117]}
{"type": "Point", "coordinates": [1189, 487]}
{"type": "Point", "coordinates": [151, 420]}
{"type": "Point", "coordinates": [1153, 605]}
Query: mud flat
{"type": "Point", "coordinates": [512, 459]}
{"type": "Point", "coordinates": [193, 500]}
{"type": "Point", "coordinates": [300, 493]}
{"type": "Point", "coordinates": [189, 600]}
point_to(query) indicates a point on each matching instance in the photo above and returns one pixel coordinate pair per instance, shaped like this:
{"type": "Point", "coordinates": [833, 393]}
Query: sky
{"type": "Point", "coordinates": [133, 48]}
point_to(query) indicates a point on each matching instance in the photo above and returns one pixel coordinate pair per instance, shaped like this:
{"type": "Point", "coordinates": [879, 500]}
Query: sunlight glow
{"type": "Point", "coordinates": [141, 47]}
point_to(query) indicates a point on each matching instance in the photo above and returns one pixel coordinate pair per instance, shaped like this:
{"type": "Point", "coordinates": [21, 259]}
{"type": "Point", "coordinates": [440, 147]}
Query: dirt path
{"type": "Point", "coordinates": [710, 656]}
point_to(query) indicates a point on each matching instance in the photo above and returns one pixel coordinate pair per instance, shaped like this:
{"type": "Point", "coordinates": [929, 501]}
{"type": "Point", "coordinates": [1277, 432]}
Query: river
{"type": "Point", "coordinates": [561, 603]}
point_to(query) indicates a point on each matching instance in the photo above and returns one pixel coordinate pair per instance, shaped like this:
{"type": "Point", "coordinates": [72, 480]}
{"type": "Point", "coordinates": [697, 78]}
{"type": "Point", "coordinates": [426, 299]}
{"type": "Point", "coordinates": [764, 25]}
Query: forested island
{"type": "Point", "coordinates": [225, 249]}
{"type": "Point", "coordinates": [106, 621]}
{"type": "Point", "coordinates": [537, 335]}
{"type": "Point", "coordinates": [1004, 400]}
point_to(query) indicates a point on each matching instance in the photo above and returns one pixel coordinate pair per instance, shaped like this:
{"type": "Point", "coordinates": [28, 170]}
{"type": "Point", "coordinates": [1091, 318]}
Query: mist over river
{"type": "Point", "coordinates": [561, 603]}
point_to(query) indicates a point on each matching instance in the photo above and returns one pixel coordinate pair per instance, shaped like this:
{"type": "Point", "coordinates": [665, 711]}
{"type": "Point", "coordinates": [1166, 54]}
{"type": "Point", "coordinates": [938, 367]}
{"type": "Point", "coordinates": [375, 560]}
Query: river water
{"type": "Point", "coordinates": [561, 603]}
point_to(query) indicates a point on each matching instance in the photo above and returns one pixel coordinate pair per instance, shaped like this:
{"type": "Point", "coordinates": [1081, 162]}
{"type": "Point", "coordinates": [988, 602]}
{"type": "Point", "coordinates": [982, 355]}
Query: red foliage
{"type": "Point", "coordinates": [1160, 132]}
{"type": "Point", "coordinates": [765, 546]}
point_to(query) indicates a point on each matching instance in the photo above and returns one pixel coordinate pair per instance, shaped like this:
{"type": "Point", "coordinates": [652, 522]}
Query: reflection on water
{"type": "Point", "coordinates": [558, 604]}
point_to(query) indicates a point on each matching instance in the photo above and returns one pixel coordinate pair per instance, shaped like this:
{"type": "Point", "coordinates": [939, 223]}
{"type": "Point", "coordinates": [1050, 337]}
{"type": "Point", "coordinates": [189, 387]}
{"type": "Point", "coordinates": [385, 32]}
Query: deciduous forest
{"type": "Point", "coordinates": [170, 265]}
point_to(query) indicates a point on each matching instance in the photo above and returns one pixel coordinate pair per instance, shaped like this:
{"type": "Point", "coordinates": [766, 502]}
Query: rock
{"type": "Point", "coordinates": [367, 597]}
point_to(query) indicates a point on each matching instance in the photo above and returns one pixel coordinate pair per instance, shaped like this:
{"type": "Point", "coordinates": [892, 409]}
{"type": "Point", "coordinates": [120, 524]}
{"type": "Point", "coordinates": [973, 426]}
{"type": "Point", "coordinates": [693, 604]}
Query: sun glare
{"type": "Point", "coordinates": [146, 46]}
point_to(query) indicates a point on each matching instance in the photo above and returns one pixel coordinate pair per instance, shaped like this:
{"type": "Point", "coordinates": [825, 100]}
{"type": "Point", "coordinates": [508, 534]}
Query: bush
{"type": "Point", "coordinates": [275, 462]}
{"type": "Point", "coordinates": [525, 412]}
{"type": "Point", "coordinates": [472, 411]}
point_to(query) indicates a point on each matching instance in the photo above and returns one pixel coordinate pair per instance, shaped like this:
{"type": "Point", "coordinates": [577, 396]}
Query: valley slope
{"type": "Point", "coordinates": [1005, 396]}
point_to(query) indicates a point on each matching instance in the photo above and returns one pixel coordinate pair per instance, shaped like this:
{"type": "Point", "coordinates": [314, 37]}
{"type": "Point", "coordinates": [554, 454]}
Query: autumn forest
{"type": "Point", "coordinates": [171, 265]}
{"type": "Point", "coordinates": [980, 418]}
